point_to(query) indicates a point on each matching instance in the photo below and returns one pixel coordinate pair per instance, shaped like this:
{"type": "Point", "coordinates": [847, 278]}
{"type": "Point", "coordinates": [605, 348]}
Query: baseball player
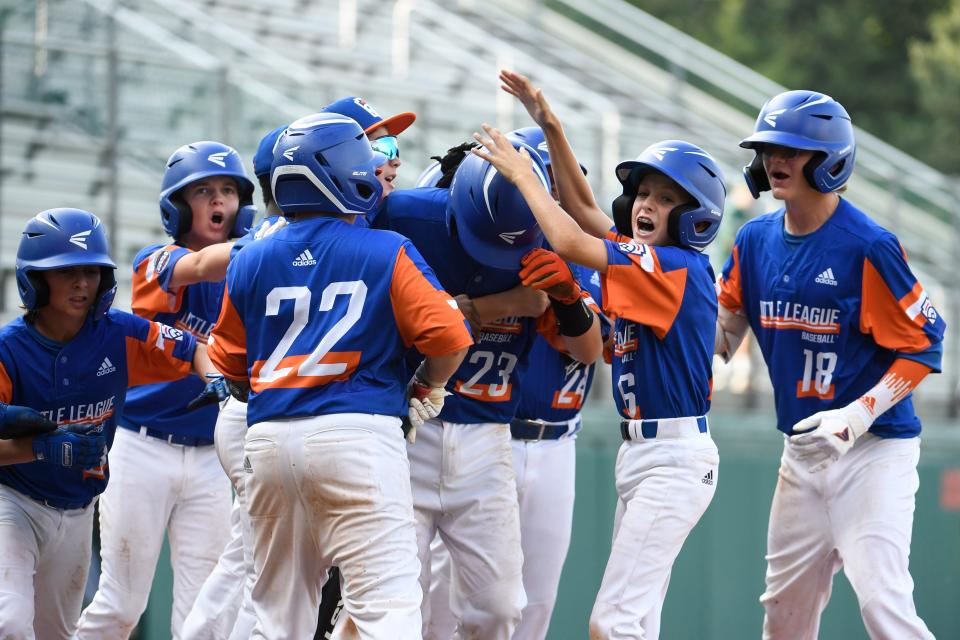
{"type": "Point", "coordinates": [223, 608]}
{"type": "Point", "coordinates": [317, 318]}
{"type": "Point", "coordinates": [544, 431]}
{"type": "Point", "coordinates": [847, 333]}
{"type": "Point", "coordinates": [163, 450]}
{"type": "Point", "coordinates": [660, 288]}
{"type": "Point", "coordinates": [475, 235]}
{"type": "Point", "coordinates": [64, 368]}
{"type": "Point", "coordinates": [382, 133]}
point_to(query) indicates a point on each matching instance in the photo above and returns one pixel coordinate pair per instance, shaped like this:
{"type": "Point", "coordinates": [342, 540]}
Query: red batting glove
{"type": "Point", "coordinates": [547, 271]}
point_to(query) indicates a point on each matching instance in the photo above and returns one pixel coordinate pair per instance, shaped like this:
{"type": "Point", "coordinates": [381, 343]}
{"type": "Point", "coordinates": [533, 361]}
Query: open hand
{"type": "Point", "coordinates": [522, 89]}
{"type": "Point", "coordinates": [498, 151]}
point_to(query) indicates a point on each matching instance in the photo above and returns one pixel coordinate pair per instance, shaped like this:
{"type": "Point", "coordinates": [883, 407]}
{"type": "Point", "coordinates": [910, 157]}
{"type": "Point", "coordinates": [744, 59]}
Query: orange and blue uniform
{"type": "Point", "coordinates": [192, 309]}
{"type": "Point", "coordinates": [83, 381]}
{"type": "Point", "coordinates": [320, 314]}
{"type": "Point", "coordinates": [832, 311]}
{"type": "Point", "coordinates": [665, 304]}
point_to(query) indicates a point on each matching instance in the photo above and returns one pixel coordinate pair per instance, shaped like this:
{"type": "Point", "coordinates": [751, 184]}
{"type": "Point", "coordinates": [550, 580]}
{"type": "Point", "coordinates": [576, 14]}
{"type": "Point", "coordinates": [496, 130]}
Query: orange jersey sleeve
{"type": "Point", "coordinates": [6, 385]}
{"type": "Point", "coordinates": [636, 288]}
{"type": "Point", "coordinates": [165, 355]}
{"type": "Point", "coordinates": [150, 274]}
{"type": "Point", "coordinates": [895, 323]}
{"type": "Point", "coordinates": [729, 292]}
{"type": "Point", "coordinates": [228, 342]}
{"type": "Point", "coordinates": [427, 316]}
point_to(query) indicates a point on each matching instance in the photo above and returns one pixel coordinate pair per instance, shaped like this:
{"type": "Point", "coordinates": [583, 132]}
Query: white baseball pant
{"type": "Point", "coordinates": [664, 485]}
{"type": "Point", "coordinates": [155, 487]}
{"type": "Point", "coordinates": [44, 560]}
{"type": "Point", "coordinates": [464, 487]}
{"type": "Point", "coordinates": [223, 606]}
{"type": "Point", "coordinates": [333, 490]}
{"type": "Point", "coordinates": [546, 482]}
{"type": "Point", "coordinates": [856, 514]}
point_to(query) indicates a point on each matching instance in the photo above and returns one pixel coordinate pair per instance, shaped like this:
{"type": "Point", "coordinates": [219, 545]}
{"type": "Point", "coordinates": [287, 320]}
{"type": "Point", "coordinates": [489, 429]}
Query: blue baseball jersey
{"type": "Point", "coordinates": [83, 381]}
{"type": "Point", "coordinates": [665, 304]}
{"type": "Point", "coordinates": [485, 387]}
{"type": "Point", "coordinates": [318, 316]}
{"type": "Point", "coordinates": [556, 386]}
{"type": "Point", "coordinates": [831, 312]}
{"type": "Point", "coordinates": [192, 309]}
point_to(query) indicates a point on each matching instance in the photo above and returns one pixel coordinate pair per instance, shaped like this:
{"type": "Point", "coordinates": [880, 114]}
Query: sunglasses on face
{"type": "Point", "coordinates": [787, 153]}
{"type": "Point", "coordinates": [387, 145]}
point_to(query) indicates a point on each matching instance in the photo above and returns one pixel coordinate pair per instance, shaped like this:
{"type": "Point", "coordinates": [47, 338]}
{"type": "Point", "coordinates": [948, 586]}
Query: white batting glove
{"type": "Point", "coordinates": [268, 229]}
{"type": "Point", "coordinates": [827, 435]}
{"type": "Point", "coordinates": [425, 402]}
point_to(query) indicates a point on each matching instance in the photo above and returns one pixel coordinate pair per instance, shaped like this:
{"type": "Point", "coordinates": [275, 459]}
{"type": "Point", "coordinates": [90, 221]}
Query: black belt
{"type": "Point", "coordinates": [176, 438]}
{"type": "Point", "coordinates": [533, 430]}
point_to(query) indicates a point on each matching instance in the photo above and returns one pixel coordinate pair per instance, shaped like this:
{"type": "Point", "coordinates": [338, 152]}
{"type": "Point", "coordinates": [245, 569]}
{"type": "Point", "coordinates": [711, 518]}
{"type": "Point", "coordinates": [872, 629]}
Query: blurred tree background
{"type": "Point", "coordinates": [895, 65]}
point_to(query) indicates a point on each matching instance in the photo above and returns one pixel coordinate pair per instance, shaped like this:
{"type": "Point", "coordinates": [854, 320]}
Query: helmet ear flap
{"type": "Point", "coordinates": [41, 291]}
{"type": "Point", "coordinates": [184, 213]}
{"type": "Point", "coordinates": [622, 208]}
{"type": "Point", "coordinates": [673, 221]}
{"type": "Point", "coordinates": [623, 204]}
{"type": "Point", "coordinates": [756, 176]}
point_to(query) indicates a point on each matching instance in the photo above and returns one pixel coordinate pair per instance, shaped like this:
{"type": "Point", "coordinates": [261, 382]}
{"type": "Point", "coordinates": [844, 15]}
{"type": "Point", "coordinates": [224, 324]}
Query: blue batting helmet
{"type": "Point", "coordinates": [323, 163]}
{"type": "Point", "coordinates": [59, 238]}
{"type": "Point", "coordinates": [196, 161]}
{"type": "Point", "coordinates": [493, 221]}
{"type": "Point", "coordinates": [263, 158]}
{"type": "Point", "coordinates": [695, 171]}
{"type": "Point", "coordinates": [430, 176]}
{"type": "Point", "coordinates": [809, 121]}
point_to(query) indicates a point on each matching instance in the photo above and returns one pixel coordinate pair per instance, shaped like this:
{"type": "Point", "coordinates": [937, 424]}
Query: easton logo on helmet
{"type": "Point", "coordinates": [80, 239]}
{"type": "Point", "coordinates": [219, 158]}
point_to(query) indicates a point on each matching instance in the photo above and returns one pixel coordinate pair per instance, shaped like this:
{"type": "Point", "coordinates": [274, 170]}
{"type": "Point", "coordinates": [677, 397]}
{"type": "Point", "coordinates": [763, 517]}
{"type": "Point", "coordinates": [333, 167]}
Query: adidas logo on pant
{"type": "Point", "coordinates": [708, 478]}
{"type": "Point", "coordinates": [826, 278]}
{"type": "Point", "coordinates": [305, 259]}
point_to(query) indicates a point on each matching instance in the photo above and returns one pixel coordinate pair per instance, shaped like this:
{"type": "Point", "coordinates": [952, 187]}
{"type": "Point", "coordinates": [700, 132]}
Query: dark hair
{"type": "Point", "coordinates": [265, 189]}
{"type": "Point", "coordinates": [450, 162]}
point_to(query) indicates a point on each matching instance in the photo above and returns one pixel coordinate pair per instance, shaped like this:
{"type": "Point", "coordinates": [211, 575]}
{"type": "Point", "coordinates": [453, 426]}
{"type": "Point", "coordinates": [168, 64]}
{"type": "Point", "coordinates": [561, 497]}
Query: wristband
{"type": "Point", "coordinates": [574, 319]}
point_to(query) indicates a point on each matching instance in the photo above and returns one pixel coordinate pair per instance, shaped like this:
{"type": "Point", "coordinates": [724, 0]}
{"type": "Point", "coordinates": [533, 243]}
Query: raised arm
{"type": "Point", "coordinates": [576, 196]}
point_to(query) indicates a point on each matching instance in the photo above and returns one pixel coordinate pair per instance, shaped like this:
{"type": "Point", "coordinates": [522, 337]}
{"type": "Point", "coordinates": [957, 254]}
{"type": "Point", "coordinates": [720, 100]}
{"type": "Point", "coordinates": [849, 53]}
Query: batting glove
{"type": "Point", "coordinates": [545, 270]}
{"type": "Point", "coordinates": [73, 447]}
{"type": "Point", "coordinates": [425, 402]}
{"type": "Point", "coordinates": [16, 422]}
{"type": "Point", "coordinates": [825, 436]}
{"type": "Point", "coordinates": [268, 229]}
{"type": "Point", "coordinates": [216, 391]}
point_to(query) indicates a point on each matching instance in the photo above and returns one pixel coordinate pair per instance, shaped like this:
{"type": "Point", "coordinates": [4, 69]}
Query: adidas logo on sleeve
{"type": "Point", "coordinates": [827, 278]}
{"type": "Point", "coordinates": [708, 478]}
{"type": "Point", "coordinates": [105, 367]}
{"type": "Point", "coordinates": [305, 259]}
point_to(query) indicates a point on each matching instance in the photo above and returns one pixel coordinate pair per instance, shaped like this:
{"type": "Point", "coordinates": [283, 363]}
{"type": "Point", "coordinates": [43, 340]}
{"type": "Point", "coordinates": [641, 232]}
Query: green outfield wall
{"type": "Point", "coordinates": [718, 577]}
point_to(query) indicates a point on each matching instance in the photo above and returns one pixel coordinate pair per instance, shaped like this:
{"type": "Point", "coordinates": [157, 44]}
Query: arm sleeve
{"type": "Point", "coordinates": [228, 341]}
{"type": "Point", "coordinates": [729, 293]}
{"type": "Point", "coordinates": [427, 316]}
{"type": "Point", "coordinates": [895, 309]}
{"type": "Point", "coordinates": [152, 271]}
{"type": "Point", "coordinates": [156, 352]}
{"type": "Point", "coordinates": [636, 288]}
